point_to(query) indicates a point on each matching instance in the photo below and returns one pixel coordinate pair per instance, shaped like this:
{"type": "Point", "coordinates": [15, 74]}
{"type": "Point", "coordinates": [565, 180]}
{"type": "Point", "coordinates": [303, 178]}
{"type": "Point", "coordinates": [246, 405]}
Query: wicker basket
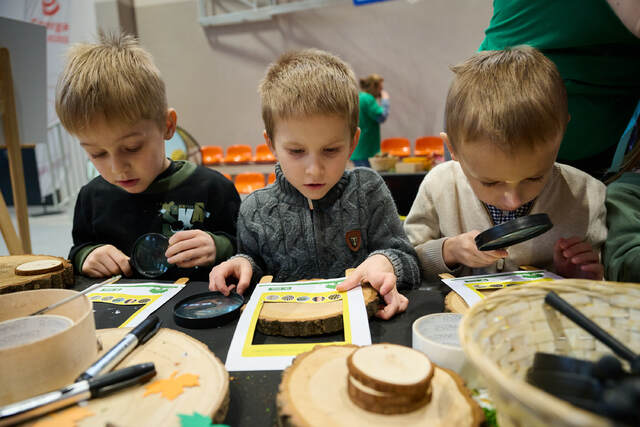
{"type": "Point", "coordinates": [383, 164]}
{"type": "Point", "coordinates": [501, 334]}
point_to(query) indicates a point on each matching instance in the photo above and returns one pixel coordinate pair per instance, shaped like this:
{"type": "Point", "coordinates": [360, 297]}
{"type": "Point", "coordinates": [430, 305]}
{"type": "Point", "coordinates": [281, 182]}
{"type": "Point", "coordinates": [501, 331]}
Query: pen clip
{"type": "Point", "coordinates": [151, 333]}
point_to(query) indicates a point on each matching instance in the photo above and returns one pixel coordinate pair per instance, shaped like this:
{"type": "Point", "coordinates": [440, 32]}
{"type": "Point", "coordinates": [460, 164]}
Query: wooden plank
{"type": "Point", "coordinates": [8, 231]}
{"type": "Point", "coordinates": [12, 139]}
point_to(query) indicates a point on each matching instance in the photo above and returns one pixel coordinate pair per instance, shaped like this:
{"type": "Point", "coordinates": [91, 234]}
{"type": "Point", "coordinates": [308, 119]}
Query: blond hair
{"type": "Point", "coordinates": [514, 98]}
{"type": "Point", "coordinates": [115, 78]}
{"type": "Point", "coordinates": [371, 84]}
{"type": "Point", "coordinates": [308, 82]}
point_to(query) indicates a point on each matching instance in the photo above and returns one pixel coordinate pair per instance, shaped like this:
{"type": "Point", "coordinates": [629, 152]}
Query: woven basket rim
{"type": "Point", "coordinates": [537, 400]}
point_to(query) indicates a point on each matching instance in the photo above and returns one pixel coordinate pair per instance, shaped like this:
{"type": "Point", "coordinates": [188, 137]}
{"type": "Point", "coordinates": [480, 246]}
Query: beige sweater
{"type": "Point", "coordinates": [447, 206]}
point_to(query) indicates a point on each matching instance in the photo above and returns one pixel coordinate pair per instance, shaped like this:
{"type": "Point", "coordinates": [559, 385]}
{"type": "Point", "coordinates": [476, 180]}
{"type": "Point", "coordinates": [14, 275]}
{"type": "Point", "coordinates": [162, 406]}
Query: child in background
{"type": "Point", "coordinates": [112, 98]}
{"type": "Point", "coordinates": [318, 219]}
{"type": "Point", "coordinates": [506, 113]}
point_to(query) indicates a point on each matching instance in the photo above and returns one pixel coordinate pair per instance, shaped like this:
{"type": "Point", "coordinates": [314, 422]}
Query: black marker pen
{"type": "Point", "coordinates": [79, 391]}
{"type": "Point", "coordinates": [111, 358]}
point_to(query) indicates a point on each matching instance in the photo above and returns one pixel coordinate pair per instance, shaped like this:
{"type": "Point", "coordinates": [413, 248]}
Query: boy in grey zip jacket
{"type": "Point", "coordinates": [317, 219]}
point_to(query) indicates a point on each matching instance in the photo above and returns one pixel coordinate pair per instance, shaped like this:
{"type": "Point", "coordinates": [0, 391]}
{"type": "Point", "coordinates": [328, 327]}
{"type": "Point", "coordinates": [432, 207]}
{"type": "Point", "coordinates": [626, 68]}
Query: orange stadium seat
{"type": "Point", "coordinates": [271, 178]}
{"type": "Point", "coordinates": [432, 147]}
{"type": "Point", "coordinates": [239, 153]}
{"type": "Point", "coordinates": [226, 175]}
{"type": "Point", "coordinates": [429, 145]}
{"type": "Point", "coordinates": [248, 182]}
{"type": "Point", "coordinates": [400, 147]}
{"type": "Point", "coordinates": [264, 155]}
{"type": "Point", "coordinates": [211, 154]}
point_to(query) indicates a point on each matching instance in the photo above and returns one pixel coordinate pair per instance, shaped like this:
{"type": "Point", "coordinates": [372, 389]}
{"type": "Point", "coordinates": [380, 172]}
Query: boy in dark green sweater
{"type": "Point", "coordinates": [112, 98]}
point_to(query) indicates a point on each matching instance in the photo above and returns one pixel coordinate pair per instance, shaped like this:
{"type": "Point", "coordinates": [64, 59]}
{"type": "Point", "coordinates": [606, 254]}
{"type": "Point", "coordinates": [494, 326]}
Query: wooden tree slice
{"type": "Point", "coordinates": [39, 267]}
{"type": "Point", "coordinates": [391, 368]}
{"type": "Point", "coordinates": [28, 278]}
{"type": "Point", "coordinates": [454, 303]}
{"type": "Point", "coordinates": [313, 392]}
{"type": "Point", "coordinates": [171, 351]}
{"type": "Point", "coordinates": [299, 320]}
{"type": "Point", "coordinates": [384, 403]}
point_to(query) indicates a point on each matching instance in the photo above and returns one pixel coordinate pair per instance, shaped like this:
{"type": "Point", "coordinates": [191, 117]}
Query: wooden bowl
{"type": "Point", "coordinates": [53, 361]}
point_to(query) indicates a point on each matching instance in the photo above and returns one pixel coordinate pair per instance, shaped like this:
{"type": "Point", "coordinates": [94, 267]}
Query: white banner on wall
{"type": "Point", "coordinates": [55, 16]}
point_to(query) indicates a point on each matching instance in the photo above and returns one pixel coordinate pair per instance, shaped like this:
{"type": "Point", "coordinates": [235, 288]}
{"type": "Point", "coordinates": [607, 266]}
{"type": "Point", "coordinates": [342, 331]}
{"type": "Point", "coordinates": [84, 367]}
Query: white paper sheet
{"type": "Point", "coordinates": [469, 287]}
{"type": "Point", "coordinates": [242, 354]}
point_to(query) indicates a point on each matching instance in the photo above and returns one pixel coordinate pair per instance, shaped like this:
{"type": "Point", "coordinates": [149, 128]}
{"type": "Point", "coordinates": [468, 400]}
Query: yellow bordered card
{"type": "Point", "coordinates": [470, 287]}
{"type": "Point", "coordinates": [245, 355]}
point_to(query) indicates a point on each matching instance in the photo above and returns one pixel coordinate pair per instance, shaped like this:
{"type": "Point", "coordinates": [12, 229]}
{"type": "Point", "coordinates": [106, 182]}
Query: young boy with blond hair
{"type": "Point", "coordinates": [317, 219]}
{"type": "Point", "coordinates": [506, 113]}
{"type": "Point", "coordinates": [112, 98]}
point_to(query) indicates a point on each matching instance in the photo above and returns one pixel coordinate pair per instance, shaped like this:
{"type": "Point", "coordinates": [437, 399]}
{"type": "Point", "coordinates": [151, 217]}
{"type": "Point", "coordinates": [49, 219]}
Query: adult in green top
{"type": "Point", "coordinates": [598, 56]}
{"type": "Point", "coordinates": [372, 114]}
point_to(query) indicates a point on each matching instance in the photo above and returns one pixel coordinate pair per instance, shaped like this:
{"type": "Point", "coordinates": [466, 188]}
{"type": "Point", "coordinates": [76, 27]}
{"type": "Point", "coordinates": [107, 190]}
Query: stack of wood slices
{"type": "Point", "coordinates": [389, 379]}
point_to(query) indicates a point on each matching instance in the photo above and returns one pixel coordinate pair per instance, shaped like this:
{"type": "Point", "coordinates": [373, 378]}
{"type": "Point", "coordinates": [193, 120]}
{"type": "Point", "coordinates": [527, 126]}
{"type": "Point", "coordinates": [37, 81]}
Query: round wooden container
{"type": "Point", "coordinates": [52, 362]}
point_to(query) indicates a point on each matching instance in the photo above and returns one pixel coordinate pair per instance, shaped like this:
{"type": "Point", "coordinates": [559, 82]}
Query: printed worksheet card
{"type": "Point", "coordinates": [471, 288]}
{"type": "Point", "coordinates": [132, 301]}
{"type": "Point", "coordinates": [250, 351]}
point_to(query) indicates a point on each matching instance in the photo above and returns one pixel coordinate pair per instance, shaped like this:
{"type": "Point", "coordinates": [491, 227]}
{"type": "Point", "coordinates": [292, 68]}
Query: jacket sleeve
{"type": "Point", "coordinates": [223, 230]}
{"type": "Point", "coordinates": [249, 230]}
{"type": "Point", "coordinates": [423, 230]}
{"type": "Point", "coordinates": [621, 255]}
{"type": "Point", "coordinates": [386, 236]}
{"type": "Point", "coordinates": [84, 239]}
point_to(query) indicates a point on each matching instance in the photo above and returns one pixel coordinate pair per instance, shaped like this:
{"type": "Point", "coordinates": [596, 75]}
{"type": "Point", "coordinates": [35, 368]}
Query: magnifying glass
{"type": "Point", "coordinates": [515, 231]}
{"type": "Point", "coordinates": [207, 310]}
{"type": "Point", "coordinates": [147, 256]}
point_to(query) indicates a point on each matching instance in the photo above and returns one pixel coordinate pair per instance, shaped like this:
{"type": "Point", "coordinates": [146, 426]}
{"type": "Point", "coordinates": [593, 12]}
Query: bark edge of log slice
{"type": "Point", "coordinates": [329, 323]}
{"type": "Point", "coordinates": [313, 392]}
{"type": "Point", "coordinates": [12, 281]}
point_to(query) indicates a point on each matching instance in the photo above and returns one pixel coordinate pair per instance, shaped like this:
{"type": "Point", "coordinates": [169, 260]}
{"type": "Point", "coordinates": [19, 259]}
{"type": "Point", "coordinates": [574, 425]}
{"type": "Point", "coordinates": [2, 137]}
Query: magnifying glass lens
{"type": "Point", "coordinates": [148, 255]}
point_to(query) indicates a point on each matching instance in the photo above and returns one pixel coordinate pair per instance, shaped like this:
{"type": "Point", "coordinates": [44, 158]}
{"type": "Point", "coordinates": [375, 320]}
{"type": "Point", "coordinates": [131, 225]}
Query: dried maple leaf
{"type": "Point", "coordinates": [172, 387]}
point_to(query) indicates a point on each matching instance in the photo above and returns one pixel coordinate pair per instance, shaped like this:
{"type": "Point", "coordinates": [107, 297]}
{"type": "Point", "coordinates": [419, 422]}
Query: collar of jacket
{"type": "Point", "coordinates": [288, 193]}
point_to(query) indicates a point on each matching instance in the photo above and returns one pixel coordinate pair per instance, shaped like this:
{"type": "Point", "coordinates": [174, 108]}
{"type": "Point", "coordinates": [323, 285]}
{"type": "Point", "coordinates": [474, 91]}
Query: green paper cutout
{"type": "Point", "coordinates": [197, 420]}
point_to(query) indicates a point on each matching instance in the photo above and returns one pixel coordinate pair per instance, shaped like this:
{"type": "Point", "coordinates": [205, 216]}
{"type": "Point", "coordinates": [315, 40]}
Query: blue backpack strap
{"type": "Point", "coordinates": [625, 140]}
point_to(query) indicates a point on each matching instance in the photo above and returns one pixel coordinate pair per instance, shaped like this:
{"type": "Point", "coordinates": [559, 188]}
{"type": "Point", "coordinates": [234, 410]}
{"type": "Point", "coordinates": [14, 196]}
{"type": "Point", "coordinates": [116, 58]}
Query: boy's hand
{"type": "Point", "coordinates": [462, 249]}
{"type": "Point", "coordinates": [237, 267]}
{"type": "Point", "coordinates": [378, 272]}
{"type": "Point", "coordinates": [106, 261]}
{"type": "Point", "coordinates": [189, 248]}
{"type": "Point", "coordinates": [575, 258]}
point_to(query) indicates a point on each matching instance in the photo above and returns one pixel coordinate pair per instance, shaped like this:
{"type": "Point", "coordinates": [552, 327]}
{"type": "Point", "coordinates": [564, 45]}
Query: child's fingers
{"type": "Point", "coordinates": [567, 243]}
{"type": "Point", "coordinates": [183, 235]}
{"type": "Point", "coordinates": [244, 277]}
{"type": "Point", "coordinates": [585, 258]}
{"type": "Point", "coordinates": [388, 311]}
{"type": "Point", "coordinates": [352, 281]}
{"type": "Point", "coordinates": [217, 279]}
{"type": "Point", "coordinates": [577, 249]}
{"type": "Point", "coordinates": [122, 262]}
{"type": "Point", "coordinates": [181, 246]}
{"type": "Point", "coordinates": [596, 270]}
{"type": "Point", "coordinates": [95, 269]}
{"type": "Point", "coordinates": [396, 303]}
{"type": "Point", "coordinates": [388, 283]}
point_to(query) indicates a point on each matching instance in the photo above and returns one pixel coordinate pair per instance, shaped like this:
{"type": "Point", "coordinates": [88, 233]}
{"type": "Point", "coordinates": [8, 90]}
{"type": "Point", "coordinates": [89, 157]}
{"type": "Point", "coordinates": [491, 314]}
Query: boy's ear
{"type": "Point", "coordinates": [354, 142]}
{"type": "Point", "coordinates": [170, 123]}
{"type": "Point", "coordinates": [445, 138]}
{"type": "Point", "coordinates": [269, 143]}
